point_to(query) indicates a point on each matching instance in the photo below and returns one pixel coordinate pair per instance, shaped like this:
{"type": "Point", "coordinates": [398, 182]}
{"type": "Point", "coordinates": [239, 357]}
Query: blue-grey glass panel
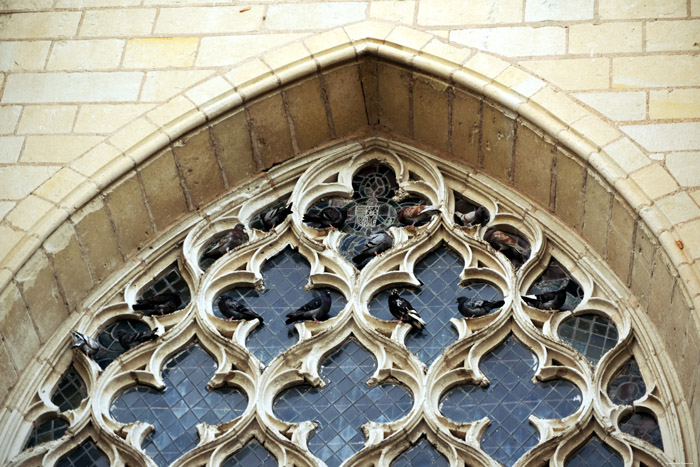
{"type": "Point", "coordinates": [344, 404]}
{"type": "Point", "coordinates": [596, 453]}
{"type": "Point", "coordinates": [627, 385]}
{"type": "Point", "coordinates": [47, 431]}
{"type": "Point", "coordinates": [85, 455]}
{"type": "Point", "coordinates": [284, 277]}
{"type": "Point", "coordinates": [169, 281]}
{"type": "Point", "coordinates": [183, 404]}
{"type": "Point", "coordinates": [509, 401]}
{"type": "Point", "coordinates": [590, 334]}
{"type": "Point", "coordinates": [71, 390]}
{"type": "Point", "coordinates": [252, 454]}
{"type": "Point", "coordinates": [111, 348]}
{"type": "Point", "coordinates": [421, 454]}
{"type": "Point", "coordinates": [644, 426]}
{"type": "Point", "coordinates": [435, 301]}
{"type": "Point", "coordinates": [554, 278]}
{"type": "Point", "coordinates": [256, 220]}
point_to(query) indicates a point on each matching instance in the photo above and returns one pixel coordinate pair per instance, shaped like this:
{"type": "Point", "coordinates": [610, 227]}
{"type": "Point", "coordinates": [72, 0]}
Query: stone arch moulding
{"type": "Point", "coordinates": [364, 80]}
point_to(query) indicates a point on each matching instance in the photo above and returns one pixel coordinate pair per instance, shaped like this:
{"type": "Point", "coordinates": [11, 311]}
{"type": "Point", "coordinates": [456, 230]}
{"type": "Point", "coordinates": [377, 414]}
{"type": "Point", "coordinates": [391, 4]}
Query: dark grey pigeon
{"type": "Point", "coordinates": [376, 244]}
{"type": "Point", "coordinates": [548, 300]}
{"type": "Point", "coordinates": [233, 309]}
{"type": "Point", "coordinates": [86, 344]}
{"type": "Point", "coordinates": [411, 215]}
{"type": "Point", "coordinates": [403, 311]}
{"type": "Point", "coordinates": [507, 245]}
{"type": "Point", "coordinates": [330, 216]}
{"type": "Point", "coordinates": [233, 239]}
{"type": "Point", "coordinates": [478, 216]}
{"type": "Point", "coordinates": [276, 216]}
{"type": "Point", "coordinates": [162, 303]}
{"type": "Point", "coordinates": [475, 308]}
{"type": "Point", "coordinates": [129, 340]}
{"type": "Point", "coordinates": [317, 310]}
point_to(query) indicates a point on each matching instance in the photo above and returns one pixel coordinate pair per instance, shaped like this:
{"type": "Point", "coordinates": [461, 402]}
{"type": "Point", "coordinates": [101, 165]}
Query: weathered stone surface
{"type": "Point", "coordinates": [16, 328]}
{"type": "Point", "coordinates": [233, 148]}
{"type": "Point", "coordinates": [596, 213]}
{"type": "Point", "coordinates": [620, 235]}
{"type": "Point", "coordinates": [346, 101]}
{"type": "Point", "coordinates": [271, 131]}
{"type": "Point", "coordinates": [69, 264]}
{"type": "Point", "coordinates": [393, 95]}
{"type": "Point", "coordinates": [497, 141]}
{"type": "Point", "coordinates": [642, 264]}
{"type": "Point", "coordinates": [534, 154]}
{"type": "Point", "coordinates": [466, 125]}
{"type": "Point", "coordinates": [42, 296]}
{"type": "Point", "coordinates": [129, 213]}
{"type": "Point", "coordinates": [97, 236]}
{"type": "Point", "coordinates": [199, 168]}
{"type": "Point", "coordinates": [431, 111]}
{"type": "Point", "coordinates": [570, 180]}
{"type": "Point", "coordinates": [163, 188]}
{"type": "Point", "coordinates": [7, 370]}
{"type": "Point", "coordinates": [308, 114]}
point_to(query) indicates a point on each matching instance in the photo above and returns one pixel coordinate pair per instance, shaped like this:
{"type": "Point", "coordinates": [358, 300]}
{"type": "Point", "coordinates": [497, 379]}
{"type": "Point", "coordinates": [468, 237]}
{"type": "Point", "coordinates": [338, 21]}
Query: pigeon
{"type": "Point", "coordinates": [162, 303]}
{"type": "Point", "coordinates": [129, 340]}
{"type": "Point", "coordinates": [401, 309]}
{"type": "Point", "coordinates": [548, 300]}
{"type": "Point", "coordinates": [276, 216]}
{"type": "Point", "coordinates": [376, 244]}
{"type": "Point", "coordinates": [233, 239]}
{"type": "Point", "coordinates": [476, 308]}
{"type": "Point", "coordinates": [233, 309]}
{"type": "Point", "coordinates": [478, 216]}
{"type": "Point", "coordinates": [507, 245]}
{"type": "Point", "coordinates": [411, 215]}
{"type": "Point", "coordinates": [330, 216]}
{"type": "Point", "coordinates": [317, 310]}
{"type": "Point", "coordinates": [86, 344]}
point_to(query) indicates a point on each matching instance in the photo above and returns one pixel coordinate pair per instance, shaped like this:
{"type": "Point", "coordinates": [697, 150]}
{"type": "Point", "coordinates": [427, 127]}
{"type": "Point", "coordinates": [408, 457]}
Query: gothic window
{"type": "Point", "coordinates": [521, 351]}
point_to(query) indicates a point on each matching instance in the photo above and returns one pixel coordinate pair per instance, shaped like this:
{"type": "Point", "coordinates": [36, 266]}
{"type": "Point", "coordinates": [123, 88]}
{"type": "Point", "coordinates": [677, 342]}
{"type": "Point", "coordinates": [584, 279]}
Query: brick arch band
{"type": "Point", "coordinates": [349, 84]}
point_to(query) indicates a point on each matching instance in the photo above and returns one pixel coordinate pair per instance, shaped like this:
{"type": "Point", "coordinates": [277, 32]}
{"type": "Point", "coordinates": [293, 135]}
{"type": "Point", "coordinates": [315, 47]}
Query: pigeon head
{"type": "Point", "coordinates": [394, 292]}
{"type": "Point", "coordinates": [462, 299]}
{"type": "Point", "coordinates": [239, 227]}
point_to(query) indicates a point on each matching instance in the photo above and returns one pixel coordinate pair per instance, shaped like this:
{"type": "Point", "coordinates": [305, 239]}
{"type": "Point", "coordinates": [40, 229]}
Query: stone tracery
{"type": "Point", "coordinates": [427, 380]}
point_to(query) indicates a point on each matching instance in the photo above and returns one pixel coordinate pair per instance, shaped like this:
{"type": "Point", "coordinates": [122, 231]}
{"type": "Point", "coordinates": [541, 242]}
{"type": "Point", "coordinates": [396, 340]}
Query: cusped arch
{"type": "Point", "coordinates": [366, 81]}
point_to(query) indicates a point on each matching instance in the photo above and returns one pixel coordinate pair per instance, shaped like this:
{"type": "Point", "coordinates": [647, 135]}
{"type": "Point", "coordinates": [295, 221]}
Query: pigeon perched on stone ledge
{"type": "Point", "coordinates": [507, 244]}
{"type": "Point", "coordinates": [478, 216]}
{"type": "Point", "coordinates": [475, 308]}
{"type": "Point", "coordinates": [376, 244]}
{"type": "Point", "coordinates": [330, 216]}
{"type": "Point", "coordinates": [411, 215]}
{"type": "Point", "coordinates": [401, 309]}
{"type": "Point", "coordinates": [162, 303]}
{"type": "Point", "coordinates": [275, 217]}
{"type": "Point", "coordinates": [86, 344]}
{"type": "Point", "coordinates": [129, 340]}
{"type": "Point", "coordinates": [548, 300]}
{"type": "Point", "coordinates": [233, 239]}
{"type": "Point", "coordinates": [233, 309]}
{"type": "Point", "coordinates": [317, 309]}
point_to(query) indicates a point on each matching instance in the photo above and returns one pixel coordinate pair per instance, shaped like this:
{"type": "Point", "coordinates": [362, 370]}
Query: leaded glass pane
{"type": "Point", "coordinates": [284, 277]}
{"type": "Point", "coordinates": [252, 454]}
{"type": "Point", "coordinates": [257, 221]}
{"type": "Point", "coordinates": [47, 431]}
{"type": "Point", "coordinates": [554, 278]}
{"type": "Point", "coordinates": [596, 453]}
{"type": "Point", "coordinates": [169, 281]}
{"type": "Point", "coordinates": [435, 301]}
{"type": "Point", "coordinates": [590, 334]}
{"type": "Point", "coordinates": [70, 392]}
{"type": "Point", "coordinates": [183, 404]}
{"type": "Point", "coordinates": [509, 400]}
{"type": "Point", "coordinates": [421, 454]}
{"type": "Point", "coordinates": [85, 455]}
{"type": "Point", "coordinates": [111, 348]}
{"type": "Point", "coordinates": [644, 426]}
{"type": "Point", "coordinates": [344, 404]}
{"type": "Point", "coordinates": [627, 385]}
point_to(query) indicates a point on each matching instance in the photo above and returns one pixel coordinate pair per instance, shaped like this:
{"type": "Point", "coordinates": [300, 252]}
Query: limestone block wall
{"type": "Point", "coordinates": [90, 89]}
